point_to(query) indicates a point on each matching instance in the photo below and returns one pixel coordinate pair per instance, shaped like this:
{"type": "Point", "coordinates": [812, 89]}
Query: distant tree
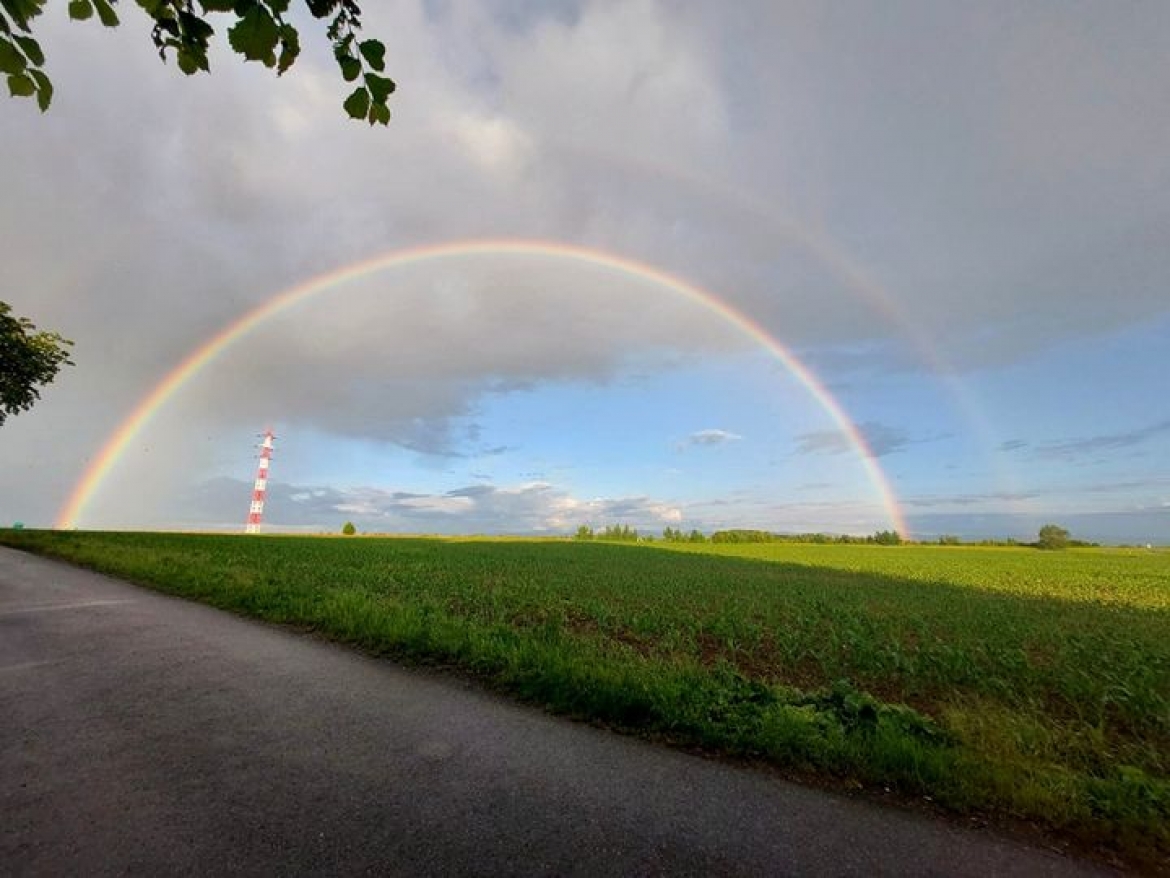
{"type": "Point", "coordinates": [28, 360]}
{"type": "Point", "coordinates": [261, 30]}
{"type": "Point", "coordinates": [948, 540]}
{"type": "Point", "coordinates": [697, 536]}
{"type": "Point", "coordinates": [348, 529]}
{"type": "Point", "coordinates": [740, 535]}
{"type": "Point", "coordinates": [1052, 537]}
{"type": "Point", "coordinates": [887, 538]}
{"type": "Point", "coordinates": [621, 533]}
{"type": "Point", "coordinates": [584, 532]}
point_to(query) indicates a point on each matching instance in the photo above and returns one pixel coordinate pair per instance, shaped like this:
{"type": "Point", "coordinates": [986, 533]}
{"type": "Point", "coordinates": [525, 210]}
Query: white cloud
{"type": "Point", "coordinates": [496, 144]}
{"type": "Point", "coordinates": [531, 507]}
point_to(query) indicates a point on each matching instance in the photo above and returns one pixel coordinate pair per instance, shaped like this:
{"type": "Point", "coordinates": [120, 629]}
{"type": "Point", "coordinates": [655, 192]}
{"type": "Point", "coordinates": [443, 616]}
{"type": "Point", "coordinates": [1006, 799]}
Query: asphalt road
{"type": "Point", "coordinates": [143, 734]}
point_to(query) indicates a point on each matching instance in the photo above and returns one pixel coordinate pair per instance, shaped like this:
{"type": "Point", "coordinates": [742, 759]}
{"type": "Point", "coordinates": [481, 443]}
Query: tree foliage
{"type": "Point", "coordinates": [1052, 536]}
{"type": "Point", "coordinates": [260, 31]}
{"type": "Point", "coordinates": [28, 360]}
{"type": "Point", "coordinates": [348, 529]}
{"type": "Point", "coordinates": [742, 535]}
{"type": "Point", "coordinates": [676, 535]}
{"type": "Point", "coordinates": [621, 533]}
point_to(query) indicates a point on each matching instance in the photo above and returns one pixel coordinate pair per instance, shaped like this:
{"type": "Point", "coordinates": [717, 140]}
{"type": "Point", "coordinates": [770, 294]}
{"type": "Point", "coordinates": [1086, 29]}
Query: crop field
{"type": "Point", "coordinates": [1009, 682]}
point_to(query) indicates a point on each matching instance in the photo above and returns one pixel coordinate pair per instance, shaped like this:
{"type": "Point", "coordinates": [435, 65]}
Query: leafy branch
{"type": "Point", "coordinates": [261, 32]}
{"type": "Point", "coordinates": [28, 359]}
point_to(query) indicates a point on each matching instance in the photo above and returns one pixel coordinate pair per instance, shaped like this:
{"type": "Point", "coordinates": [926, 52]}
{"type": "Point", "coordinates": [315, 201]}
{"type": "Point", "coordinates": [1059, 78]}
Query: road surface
{"type": "Point", "coordinates": [144, 734]}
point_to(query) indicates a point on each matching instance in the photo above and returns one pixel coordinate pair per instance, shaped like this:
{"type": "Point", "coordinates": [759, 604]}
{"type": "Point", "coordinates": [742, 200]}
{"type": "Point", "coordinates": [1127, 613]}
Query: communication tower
{"type": "Point", "coordinates": [260, 488]}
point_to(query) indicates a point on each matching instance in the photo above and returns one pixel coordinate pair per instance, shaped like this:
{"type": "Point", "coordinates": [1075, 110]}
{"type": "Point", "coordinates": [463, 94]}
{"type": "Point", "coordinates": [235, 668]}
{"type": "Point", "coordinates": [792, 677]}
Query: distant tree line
{"type": "Point", "coordinates": [676, 535]}
{"type": "Point", "coordinates": [740, 535]}
{"type": "Point", "coordinates": [1051, 536]}
{"type": "Point", "coordinates": [623, 533]}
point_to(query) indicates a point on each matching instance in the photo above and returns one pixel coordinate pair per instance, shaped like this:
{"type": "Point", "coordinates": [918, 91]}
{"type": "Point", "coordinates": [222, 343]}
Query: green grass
{"type": "Point", "coordinates": [1013, 682]}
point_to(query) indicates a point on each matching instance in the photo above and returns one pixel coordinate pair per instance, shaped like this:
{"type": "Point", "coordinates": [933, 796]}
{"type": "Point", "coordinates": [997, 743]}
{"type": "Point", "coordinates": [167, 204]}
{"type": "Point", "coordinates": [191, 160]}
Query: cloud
{"type": "Point", "coordinates": [880, 438]}
{"type": "Point", "coordinates": [812, 169]}
{"type": "Point", "coordinates": [823, 442]}
{"type": "Point", "coordinates": [712, 437]}
{"type": "Point", "coordinates": [536, 507]}
{"type": "Point", "coordinates": [984, 499]}
{"type": "Point", "coordinates": [1076, 448]}
{"type": "Point", "coordinates": [1109, 495]}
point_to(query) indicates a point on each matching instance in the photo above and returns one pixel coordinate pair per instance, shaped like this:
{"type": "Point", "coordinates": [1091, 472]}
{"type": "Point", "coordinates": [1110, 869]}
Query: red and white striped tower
{"type": "Point", "coordinates": [260, 488]}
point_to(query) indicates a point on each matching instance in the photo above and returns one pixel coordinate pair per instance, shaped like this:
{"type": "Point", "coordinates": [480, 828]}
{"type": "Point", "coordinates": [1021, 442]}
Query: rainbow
{"type": "Point", "coordinates": [101, 465]}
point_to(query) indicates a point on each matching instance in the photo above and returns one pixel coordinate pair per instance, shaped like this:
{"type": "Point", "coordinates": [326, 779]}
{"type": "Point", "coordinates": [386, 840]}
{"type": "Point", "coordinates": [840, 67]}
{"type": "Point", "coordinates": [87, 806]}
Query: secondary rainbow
{"type": "Point", "coordinates": [101, 465]}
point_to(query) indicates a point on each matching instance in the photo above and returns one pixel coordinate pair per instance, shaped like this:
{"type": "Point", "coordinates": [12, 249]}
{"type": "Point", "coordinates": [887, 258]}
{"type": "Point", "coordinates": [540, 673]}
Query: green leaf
{"type": "Point", "coordinates": [374, 53]}
{"type": "Point", "coordinates": [351, 68]}
{"type": "Point", "coordinates": [11, 61]}
{"type": "Point", "coordinates": [44, 89]}
{"type": "Point", "coordinates": [80, 10]}
{"type": "Point", "coordinates": [358, 103]}
{"type": "Point", "coordinates": [195, 28]}
{"type": "Point", "coordinates": [31, 49]}
{"type": "Point", "coordinates": [255, 36]}
{"type": "Point", "coordinates": [106, 14]}
{"type": "Point", "coordinates": [343, 48]}
{"type": "Point", "coordinates": [321, 8]}
{"type": "Point", "coordinates": [21, 86]}
{"type": "Point", "coordinates": [22, 11]}
{"type": "Point", "coordinates": [379, 113]}
{"type": "Point", "coordinates": [380, 87]}
{"type": "Point", "coordinates": [189, 61]}
{"type": "Point", "coordinates": [290, 48]}
{"type": "Point", "coordinates": [218, 5]}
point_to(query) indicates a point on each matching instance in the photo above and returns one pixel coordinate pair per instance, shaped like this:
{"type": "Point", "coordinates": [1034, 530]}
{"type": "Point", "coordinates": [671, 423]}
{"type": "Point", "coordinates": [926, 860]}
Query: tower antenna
{"type": "Point", "coordinates": [260, 488]}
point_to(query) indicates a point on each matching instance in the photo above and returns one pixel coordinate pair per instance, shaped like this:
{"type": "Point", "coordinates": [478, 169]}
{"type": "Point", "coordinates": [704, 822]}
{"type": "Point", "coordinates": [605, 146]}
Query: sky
{"type": "Point", "coordinates": [848, 267]}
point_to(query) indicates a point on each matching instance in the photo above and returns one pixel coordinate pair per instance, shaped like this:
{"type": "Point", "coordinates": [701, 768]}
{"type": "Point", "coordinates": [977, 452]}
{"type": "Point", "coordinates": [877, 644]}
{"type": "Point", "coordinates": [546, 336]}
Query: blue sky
{"type": "Point", "coordinates": [957, 217]}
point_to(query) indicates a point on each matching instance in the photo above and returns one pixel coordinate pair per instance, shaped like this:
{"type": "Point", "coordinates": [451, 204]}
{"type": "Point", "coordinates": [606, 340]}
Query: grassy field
{"type": "Point", "coordinates": [1010, 682]}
